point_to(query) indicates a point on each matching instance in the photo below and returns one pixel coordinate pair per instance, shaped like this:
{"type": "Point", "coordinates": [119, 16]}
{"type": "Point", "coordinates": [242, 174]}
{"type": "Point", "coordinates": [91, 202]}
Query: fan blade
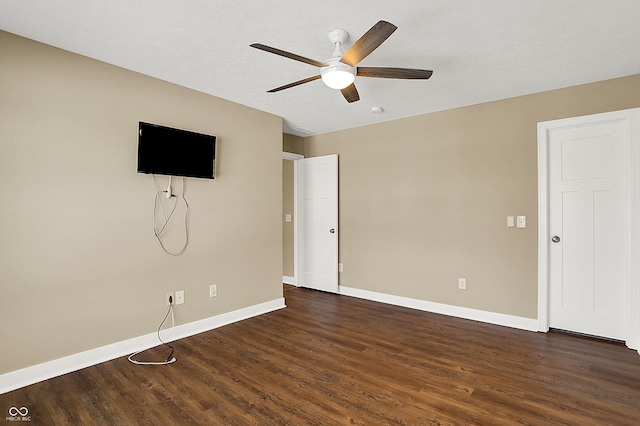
{"type": "Point", "coordinates": [368, 43]}
{"type": "Point", "coordinates": [350, 93]}
{"type": "Point", "coordinates": [382, 72]}
{"type": "Point", "coordinates": [288, 55]}
{"type": "Point", "coordinates": [294, 84]}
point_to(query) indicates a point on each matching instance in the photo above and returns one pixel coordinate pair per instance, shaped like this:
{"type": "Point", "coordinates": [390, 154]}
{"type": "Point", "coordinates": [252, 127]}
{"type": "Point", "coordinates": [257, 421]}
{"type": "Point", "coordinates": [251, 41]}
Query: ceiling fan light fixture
{"type": "Point", "coordinates": [338, 76]}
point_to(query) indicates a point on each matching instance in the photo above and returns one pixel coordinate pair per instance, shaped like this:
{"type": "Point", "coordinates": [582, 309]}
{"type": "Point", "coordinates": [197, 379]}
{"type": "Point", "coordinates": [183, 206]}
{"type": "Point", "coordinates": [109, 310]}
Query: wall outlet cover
{"type": "Point", "coordinates": [462, 283]}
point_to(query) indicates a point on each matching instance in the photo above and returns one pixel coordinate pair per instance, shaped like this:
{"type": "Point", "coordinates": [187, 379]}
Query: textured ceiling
{"type": "Point", "coordinates": [480, 50]}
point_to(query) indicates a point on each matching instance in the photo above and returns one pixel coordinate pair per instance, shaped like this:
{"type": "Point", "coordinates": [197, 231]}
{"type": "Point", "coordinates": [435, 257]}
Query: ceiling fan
{"type": "Point", "coordinates": [340, 70]}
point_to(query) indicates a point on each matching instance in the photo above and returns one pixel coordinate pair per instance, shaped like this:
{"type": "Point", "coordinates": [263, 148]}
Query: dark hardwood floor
{"type": "Point", "coordinates": [329, 359]}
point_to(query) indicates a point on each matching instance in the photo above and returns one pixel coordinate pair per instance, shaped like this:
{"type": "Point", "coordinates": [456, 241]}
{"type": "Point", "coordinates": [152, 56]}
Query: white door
{"type": "Point", "coordinates": [318, 227]}
{"type": "Point", "coordinates": [591, 232]}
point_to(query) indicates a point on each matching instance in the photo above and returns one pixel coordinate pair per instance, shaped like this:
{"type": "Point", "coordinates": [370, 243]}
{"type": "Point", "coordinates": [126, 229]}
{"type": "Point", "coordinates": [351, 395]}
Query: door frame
{"type": "Point", "coordinates": [631, 117]}
{"type": "Point", "coordinates": [294, 157]}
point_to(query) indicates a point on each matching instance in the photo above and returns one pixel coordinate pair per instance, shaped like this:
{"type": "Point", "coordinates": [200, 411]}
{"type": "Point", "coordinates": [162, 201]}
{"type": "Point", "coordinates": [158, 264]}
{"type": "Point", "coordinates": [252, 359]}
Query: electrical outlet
{"type": "Point", "coordinates": [170, 299]}
{"type": "Point", "coordinates": [213, 290]}
{"type": "Point", "coordinates": [340, 267]}
{"type": "Point", "coordinates": [179, 297]}
{"type": "Point", "coordinates": [462, 283]}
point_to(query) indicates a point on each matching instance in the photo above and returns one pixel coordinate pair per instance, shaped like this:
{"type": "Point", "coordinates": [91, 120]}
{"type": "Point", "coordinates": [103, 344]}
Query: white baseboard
{"type": "Point", "coordinates": [289, 280]}
{"type": "Point", "coordinates": [522, 323]}
{"type": "Point", "coordinates": [37, 373]}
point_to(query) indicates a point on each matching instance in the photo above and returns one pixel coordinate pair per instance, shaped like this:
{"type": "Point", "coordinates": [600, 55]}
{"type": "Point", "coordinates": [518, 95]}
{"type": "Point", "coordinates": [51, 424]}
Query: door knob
{"type": "Point", "coordinates": [332, 230]}
{"type": "Point", "coordinates": [555, 239]}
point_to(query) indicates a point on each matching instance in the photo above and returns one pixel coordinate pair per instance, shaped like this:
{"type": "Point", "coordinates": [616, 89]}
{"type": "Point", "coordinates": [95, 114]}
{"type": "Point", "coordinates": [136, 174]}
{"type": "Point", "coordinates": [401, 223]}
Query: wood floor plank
{"type": "Point", "coordinates": [329, 359]}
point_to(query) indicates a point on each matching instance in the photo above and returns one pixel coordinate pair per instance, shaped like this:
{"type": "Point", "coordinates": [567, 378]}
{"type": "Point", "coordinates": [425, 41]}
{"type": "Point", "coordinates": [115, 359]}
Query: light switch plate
{"type": "Point", "coordinates": [511, 221]}
{"type": "Point", "coordinates": [522, 221]}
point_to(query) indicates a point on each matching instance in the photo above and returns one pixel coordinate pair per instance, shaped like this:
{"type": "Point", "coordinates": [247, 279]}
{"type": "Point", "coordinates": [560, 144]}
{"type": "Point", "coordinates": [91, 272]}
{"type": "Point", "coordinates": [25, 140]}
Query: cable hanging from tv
{"type": "Point", "coordinates": [161, 231]}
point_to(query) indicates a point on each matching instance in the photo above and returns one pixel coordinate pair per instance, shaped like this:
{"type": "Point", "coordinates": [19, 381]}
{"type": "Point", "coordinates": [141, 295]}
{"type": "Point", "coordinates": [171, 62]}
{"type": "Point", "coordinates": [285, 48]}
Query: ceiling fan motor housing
{"type": "Point", "coordinates": [338, 75]}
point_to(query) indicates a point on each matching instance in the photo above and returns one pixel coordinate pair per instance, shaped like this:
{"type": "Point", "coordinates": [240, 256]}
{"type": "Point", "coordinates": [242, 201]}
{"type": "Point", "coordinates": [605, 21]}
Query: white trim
{"type": "Point", "coordinates": [633, 338]}
{"type": "Point", "coordinates": [543, 229]}
{"type": "Point", "coordinates": [37, 373]}
{"type": "Point", "coordinates": [289, 280]}
{"type": "Point", "coordinates": [296, 219]}
{"type": "Point", "coordinates": [632, 117]}
{"type": "Point", "coordinates": [299, 238]}
{"type": "Point", "coordinates": [292, 156]}
{"type": "Point", "coordinates": [522, 323]}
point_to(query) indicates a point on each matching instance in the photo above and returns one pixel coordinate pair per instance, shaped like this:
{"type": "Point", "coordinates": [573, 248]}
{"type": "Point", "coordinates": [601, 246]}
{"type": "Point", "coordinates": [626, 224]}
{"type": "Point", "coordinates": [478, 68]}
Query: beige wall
{"type": "Point", "coordinates": [294, 144]}
{"type": "Point", "coordinates": [79, 264]}
{"type": "Point", "coordinates": [424, 200]}
{"type": "Point", "coordinates": [287, 227]}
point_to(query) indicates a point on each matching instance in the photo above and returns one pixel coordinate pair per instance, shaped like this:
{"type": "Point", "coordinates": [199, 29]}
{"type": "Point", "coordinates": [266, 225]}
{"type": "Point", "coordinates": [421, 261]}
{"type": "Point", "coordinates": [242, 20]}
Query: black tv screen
{"type": "Point", "coordinates": [167, 151]}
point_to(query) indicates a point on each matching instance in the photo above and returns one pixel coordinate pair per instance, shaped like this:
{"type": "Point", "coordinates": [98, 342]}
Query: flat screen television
{"type": "Point", "coordinates": [174, 152]}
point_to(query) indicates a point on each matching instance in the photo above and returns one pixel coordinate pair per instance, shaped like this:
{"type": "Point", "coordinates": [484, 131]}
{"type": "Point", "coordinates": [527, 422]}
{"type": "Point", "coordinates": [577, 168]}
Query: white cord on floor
{"type": "Point", "coordinates": [170, 359]}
